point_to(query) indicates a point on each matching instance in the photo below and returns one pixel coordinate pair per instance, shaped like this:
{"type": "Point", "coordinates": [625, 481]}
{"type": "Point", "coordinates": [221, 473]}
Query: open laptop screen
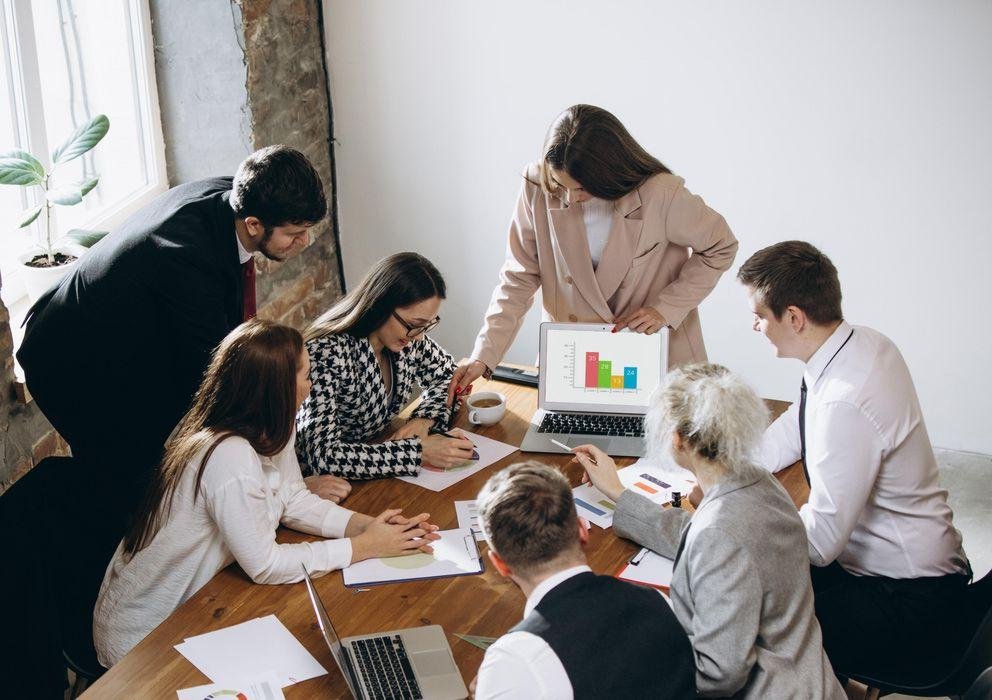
{"type": "Point", "coordinates": [330, 635]}
{"type": "Point", "coordinates": [587, 368]}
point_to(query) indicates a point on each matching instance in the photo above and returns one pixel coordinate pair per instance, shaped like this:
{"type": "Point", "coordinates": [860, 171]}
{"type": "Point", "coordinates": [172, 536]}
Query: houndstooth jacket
{"type": "Point", "coordinates": [348, 406]}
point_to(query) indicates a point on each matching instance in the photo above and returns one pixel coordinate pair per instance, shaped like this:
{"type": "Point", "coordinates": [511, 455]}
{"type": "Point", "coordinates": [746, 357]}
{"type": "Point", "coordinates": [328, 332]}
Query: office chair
{"type": "Point", "coordinates": [970, 673]}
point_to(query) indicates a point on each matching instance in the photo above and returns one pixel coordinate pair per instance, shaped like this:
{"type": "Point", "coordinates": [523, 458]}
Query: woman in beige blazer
{"type": "Point", "coordinates": [609, 235]}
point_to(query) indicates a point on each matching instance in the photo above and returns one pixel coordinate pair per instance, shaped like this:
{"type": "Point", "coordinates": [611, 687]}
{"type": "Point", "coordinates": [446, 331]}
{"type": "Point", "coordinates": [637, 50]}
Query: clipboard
{"type": "Point", "coordinates": [648, 568]}
{"type": "Point", "coordinates": [455, 554]}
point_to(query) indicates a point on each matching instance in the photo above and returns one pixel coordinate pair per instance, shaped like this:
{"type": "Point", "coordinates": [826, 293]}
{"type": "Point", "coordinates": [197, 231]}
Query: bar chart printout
{"type": "Point", "coordinates": [600, 374]}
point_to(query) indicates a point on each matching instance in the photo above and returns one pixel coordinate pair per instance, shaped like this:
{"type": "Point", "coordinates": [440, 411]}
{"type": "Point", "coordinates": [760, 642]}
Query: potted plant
{"type": "Point", "coordinates": [51, 258]}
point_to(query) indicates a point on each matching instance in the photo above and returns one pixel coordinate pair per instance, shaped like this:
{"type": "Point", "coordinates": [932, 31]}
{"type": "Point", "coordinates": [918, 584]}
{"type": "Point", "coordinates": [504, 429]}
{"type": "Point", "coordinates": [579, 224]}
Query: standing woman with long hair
{"type": "Point", "coordinates": [609, 235]}
{"type": "Point", "coordinates": [368, 352]}
{"type": "Point", "coordinates": [228, 479]}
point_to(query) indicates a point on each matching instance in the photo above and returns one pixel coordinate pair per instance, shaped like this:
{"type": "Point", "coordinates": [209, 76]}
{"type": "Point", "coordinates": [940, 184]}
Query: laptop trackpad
{"type": "Point", "coordinates": [432, 663]}
{"type": "Point", "coordinates": [601, 443]}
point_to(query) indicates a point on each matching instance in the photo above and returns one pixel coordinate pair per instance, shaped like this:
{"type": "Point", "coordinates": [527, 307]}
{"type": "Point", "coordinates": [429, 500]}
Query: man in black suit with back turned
{"type": "Point", "coordinates": [114, 354]}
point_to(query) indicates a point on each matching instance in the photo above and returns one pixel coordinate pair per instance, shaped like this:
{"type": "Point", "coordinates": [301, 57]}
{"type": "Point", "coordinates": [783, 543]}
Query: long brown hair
{"type": "Point", "coordinates": [249, 391]}
{"type": "Point", "coordinates": [396, 281]}
{"type": "Point", "coordinates": [598, 152]}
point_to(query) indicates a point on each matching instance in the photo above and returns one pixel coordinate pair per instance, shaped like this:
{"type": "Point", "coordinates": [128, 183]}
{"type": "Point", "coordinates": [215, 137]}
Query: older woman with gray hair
{"type": "Point", "coordinates": [741, 585]}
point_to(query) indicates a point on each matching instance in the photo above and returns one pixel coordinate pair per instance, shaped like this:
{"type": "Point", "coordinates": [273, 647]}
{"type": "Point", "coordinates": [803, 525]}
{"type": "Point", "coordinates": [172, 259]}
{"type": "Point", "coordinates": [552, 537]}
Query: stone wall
{"type": "Point", "coordinates": [280, 91]}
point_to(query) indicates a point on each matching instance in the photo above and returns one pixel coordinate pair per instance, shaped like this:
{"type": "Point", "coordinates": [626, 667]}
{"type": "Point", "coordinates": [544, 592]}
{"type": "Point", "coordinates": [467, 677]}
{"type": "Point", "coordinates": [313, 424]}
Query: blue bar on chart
{"type": "Point", "coordinates": [629, 377]}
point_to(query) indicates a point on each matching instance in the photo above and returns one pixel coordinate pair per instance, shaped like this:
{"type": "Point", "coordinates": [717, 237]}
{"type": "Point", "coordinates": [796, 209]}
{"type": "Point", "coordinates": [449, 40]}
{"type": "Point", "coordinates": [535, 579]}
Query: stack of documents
{"type": "Point", "coordinates": [255, 647]}
{"type": "Point", "coordinates": [649, 569]}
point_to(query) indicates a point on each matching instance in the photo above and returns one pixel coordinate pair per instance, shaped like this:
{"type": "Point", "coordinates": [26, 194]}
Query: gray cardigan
{"type": "Point", "coordinates": [741, 588]}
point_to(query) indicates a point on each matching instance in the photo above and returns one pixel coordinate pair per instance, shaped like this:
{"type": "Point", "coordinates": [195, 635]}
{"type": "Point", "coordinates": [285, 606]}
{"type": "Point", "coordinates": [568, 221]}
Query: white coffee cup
{"type": "Point", "coordinates": [486, 415]}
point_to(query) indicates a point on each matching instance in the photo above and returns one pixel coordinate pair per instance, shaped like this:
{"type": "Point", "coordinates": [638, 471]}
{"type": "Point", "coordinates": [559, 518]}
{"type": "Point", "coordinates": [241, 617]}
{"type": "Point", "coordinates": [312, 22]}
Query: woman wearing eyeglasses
{"type": "Point", "coordinates": [366, 354]}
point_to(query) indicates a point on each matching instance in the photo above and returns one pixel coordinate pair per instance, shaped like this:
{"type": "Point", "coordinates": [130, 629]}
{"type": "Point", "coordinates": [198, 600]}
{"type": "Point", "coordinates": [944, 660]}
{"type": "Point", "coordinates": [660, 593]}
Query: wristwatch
{"type": "Point", "coordinates": [488, 374]}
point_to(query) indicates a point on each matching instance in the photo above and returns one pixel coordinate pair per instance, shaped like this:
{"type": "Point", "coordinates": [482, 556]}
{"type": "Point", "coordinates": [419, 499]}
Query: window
{"type": "Point", "coordinates": [63, 62]}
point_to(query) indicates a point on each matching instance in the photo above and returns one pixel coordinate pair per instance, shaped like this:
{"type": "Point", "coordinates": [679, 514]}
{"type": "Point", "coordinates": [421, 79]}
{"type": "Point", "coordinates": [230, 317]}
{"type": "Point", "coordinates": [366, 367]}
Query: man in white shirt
{"type": "Point", "coordinates": [582, 635]}
{"type": "Point", "coordinates": [888, 568]}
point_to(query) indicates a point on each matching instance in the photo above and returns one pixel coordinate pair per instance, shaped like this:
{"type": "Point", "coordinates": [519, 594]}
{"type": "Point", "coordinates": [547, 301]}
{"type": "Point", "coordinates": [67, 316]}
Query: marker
{"type": "Point", "coordinates": [565, 447]}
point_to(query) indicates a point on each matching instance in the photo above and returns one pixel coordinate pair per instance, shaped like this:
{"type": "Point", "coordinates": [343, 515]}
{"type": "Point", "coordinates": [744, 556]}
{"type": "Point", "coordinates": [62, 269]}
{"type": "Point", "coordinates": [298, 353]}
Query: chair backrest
{"type": "Point", "coordinates": [978, 655]}
{"type": "Point", "coordinates": [981, 689]}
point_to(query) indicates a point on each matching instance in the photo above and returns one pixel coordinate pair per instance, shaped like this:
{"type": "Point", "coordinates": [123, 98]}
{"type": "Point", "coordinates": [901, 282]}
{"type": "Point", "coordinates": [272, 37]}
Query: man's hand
{"type": "Point", "coordinates": [415, 427]}
{"type": "Point", "coordinates": [328, 486]}
{"type": "Point", "coordinates": [645, 320]}
{"type": "Point", "coordinates": [468, 371]}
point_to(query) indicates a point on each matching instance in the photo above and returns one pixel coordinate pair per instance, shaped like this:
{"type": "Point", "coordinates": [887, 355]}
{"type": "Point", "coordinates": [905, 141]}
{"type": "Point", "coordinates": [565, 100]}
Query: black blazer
{"type": "Point", "coordinates": [127, 335]}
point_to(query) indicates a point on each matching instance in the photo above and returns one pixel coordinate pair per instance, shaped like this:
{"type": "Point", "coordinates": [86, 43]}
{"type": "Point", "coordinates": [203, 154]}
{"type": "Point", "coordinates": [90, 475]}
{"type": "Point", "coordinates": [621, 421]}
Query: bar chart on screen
{"type": "Point", "coordinates": [614, 369]}
{"type": "Point", "coordinates": [594, 371]}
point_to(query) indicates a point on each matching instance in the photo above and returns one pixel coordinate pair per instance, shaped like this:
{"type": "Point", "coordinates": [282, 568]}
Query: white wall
{"type": "Point", "coordinates": [863, 127]}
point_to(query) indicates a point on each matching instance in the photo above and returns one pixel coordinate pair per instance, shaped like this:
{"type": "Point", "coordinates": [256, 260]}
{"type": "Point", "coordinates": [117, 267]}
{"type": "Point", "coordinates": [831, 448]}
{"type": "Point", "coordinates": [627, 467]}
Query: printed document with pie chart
{"type": "Point", "coordinates": [455, 554]}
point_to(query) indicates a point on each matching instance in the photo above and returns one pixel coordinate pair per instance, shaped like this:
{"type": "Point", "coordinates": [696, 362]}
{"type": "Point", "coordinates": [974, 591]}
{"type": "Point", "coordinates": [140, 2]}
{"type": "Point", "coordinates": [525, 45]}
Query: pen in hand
{"type": "Point", "coordinates": [565, 447]}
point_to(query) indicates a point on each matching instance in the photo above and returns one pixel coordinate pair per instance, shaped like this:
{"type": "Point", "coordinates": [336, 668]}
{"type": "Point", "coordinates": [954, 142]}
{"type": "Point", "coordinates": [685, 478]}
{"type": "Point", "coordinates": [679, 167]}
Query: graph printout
{"type": "Point", "coordinates": [652, 483]}
{"type": "Point", "coordinates": [608, 369]}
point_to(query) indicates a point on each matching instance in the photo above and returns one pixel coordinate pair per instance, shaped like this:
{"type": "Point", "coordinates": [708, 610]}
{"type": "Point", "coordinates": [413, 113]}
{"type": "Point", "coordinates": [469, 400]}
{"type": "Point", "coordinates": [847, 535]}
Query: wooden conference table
{"type": "Point", "coordinates": [486, 604]}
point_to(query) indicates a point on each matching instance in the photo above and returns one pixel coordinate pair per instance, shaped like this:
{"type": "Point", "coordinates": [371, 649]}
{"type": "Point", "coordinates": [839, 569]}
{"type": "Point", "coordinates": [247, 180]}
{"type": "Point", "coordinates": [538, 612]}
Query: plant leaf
{"type": "Point", "coordinates": [84, 138]}
{"type": "Point", "coordinates": [66, 196]}
{"type": "Point", "coordinates": [86, 185]}
{"type": "Point", "coordinates": [20, 168]}
{"type": "Point", "coordinates": [29, 215]}
{"type": "Point", "coordinates": [85, 238]}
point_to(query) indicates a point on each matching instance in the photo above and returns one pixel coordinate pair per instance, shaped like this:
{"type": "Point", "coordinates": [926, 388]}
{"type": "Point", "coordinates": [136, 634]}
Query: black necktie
{"type": "Point", "coordinates": [802, 428]}
{"type": "Point", "coordinates": [802, 407]}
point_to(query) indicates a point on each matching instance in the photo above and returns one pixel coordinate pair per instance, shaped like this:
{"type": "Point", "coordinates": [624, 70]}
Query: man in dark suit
{"type": "Point", "coordinates": [114, 354]}
{"type": "Point", "coordinates": [583, 635]}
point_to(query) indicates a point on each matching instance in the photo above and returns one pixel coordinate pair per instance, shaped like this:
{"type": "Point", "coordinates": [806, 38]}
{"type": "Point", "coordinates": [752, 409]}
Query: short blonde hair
{"type": "Point", "coordinates": [713, 410]}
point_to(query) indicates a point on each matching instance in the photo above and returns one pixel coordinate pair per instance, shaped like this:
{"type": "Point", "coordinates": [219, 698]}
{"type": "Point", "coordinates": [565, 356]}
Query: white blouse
{"type": "Point", "coordinates": [242, 499]}
{"type": "Point", "coordinates": [597, 214]}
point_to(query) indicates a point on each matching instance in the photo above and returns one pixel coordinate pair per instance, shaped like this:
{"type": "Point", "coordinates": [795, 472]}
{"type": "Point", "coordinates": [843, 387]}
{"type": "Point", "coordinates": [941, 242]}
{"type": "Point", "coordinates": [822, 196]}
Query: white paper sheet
{"type": "Point", "coordinates": [490, 451]}
{"type": "Point", "coordinates": [240, 651]}
{"type": "Point", "coordinates": [648, 568]}
{"type": "Point", "coordinates": [263, 687]}
{"type": "Point", "coordinates": [468, 518]}
{"type": "Point", "coordinates": [455, 554]}
{"type": "Point", "coordinates": [641, 477]}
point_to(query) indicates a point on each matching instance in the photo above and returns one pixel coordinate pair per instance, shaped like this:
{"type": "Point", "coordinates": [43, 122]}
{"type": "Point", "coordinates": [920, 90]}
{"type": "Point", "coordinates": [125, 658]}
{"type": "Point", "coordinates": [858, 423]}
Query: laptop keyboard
{"type": "Point", "coordinates": [592, 424]}
{"type": "Point", "coordinates": [383, 663]}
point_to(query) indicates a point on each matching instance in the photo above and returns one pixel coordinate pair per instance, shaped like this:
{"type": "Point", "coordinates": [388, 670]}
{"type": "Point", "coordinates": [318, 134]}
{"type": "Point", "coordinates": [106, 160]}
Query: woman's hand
{"type": "Point", "coordinates": [601, 470]}
{"type": "Point", "coordinates": [446, 451]}
{"type": "Point", "coordinates": [645, 320]}
{"type": "Point", "coordinates": [415, 427]}
{"type": "Point", "coordinates": [392, 535]}
{"type": "Point", "coordinates": [328, 486]}
{"type": "Point", "coordinates": [468, 371]}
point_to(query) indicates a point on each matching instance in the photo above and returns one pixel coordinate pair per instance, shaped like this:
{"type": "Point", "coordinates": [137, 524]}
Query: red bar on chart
{"type": "Point", "coordinates": [592, 370]}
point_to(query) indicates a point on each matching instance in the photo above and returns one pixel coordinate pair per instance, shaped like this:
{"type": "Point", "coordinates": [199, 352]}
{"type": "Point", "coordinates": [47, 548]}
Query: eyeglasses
{"type": "Point", "coordinates": [414, 331]}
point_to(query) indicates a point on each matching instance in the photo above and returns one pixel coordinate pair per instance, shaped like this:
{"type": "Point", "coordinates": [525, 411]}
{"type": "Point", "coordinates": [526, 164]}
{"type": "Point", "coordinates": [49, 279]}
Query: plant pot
{"type": "Point", "coordinates": [38, 280]}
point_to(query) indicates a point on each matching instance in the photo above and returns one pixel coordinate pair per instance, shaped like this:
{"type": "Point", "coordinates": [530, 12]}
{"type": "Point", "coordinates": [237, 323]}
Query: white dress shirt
{"type": "Point", "coordinates": [597, 214]}
{"type": "Point", "coordinates": [242, 498]}
{"type": "Point", "coordinates": [521, 665]}
{"type": "Point", "coordinates": [875, 503]}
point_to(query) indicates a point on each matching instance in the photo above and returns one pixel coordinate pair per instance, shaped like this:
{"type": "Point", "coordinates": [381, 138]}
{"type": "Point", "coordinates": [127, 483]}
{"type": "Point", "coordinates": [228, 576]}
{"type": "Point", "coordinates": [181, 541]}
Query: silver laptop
{"type": "Point", "coordinates": [594, 387]}
{"type": "Point", "coordinates": [410, 663]}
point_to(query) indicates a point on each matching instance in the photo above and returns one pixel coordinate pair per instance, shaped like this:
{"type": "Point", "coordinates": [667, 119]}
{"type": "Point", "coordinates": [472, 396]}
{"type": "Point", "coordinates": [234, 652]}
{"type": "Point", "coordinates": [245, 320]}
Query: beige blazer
{"type": "Point", "coordinates": [666, 249]}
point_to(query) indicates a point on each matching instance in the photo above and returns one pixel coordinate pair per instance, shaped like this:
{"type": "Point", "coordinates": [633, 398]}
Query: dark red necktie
{"type": "Point", "coordinates": [248, 286]}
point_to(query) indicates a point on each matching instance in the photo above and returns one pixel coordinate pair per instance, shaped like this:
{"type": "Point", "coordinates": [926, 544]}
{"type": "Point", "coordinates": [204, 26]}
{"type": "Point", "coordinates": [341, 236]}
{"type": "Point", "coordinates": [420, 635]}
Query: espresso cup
{"type": "Point", "coordinates": [486, 408]}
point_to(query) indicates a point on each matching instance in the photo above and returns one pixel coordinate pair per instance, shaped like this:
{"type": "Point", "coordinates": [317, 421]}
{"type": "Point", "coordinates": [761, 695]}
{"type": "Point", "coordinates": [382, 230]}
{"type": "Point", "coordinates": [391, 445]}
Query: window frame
{"type": "Point", "coordinates": [21, 65]}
